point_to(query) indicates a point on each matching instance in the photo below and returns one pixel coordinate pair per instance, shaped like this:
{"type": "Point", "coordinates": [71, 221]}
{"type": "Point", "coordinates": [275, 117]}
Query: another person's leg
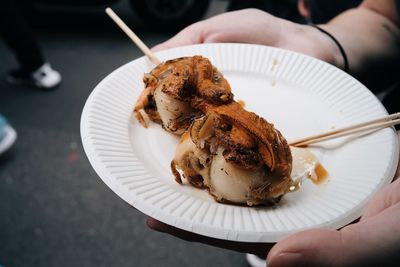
{"type": "Point", "coordinates": [7, 135]}
{"type": "Point", "coordinates": [19, 36]}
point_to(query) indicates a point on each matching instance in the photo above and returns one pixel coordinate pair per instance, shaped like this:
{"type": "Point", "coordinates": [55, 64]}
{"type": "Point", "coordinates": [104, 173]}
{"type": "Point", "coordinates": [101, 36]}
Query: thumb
{"type": "Point", "coordinates": [307, 248]}
{"type": "Point", "coordinates": [372, 242]}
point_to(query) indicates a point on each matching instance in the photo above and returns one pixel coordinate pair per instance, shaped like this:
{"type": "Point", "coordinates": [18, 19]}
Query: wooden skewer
{"type": "Point", "coordinates": [386, 118]}
{"type": "Point", "coordinates": [358, 128]}
{"type": "Point", "coordinates": [133, 36]}
{"type": "Point", "coordinates": [372, 127]}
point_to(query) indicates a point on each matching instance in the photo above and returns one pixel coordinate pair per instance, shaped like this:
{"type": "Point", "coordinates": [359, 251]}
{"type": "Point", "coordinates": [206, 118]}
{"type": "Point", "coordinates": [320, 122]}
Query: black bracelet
{"type": "Point", "coordinates": [346, 61]}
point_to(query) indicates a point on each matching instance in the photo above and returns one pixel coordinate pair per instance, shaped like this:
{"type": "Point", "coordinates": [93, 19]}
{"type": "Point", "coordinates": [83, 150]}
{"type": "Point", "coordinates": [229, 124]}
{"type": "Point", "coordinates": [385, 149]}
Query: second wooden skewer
{"type": "Point", "coordinates": [375, 124]}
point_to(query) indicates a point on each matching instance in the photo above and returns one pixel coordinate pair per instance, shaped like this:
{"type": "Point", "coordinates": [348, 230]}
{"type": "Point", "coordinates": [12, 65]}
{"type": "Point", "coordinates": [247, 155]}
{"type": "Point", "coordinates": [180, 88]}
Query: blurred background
{"type": "Point", "coordinates": [54, 210]}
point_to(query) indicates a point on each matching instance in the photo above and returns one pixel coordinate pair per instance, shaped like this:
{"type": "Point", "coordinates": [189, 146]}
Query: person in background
{"type": "Point", "coordinates": [322, 11]}
{"type": "Point", "coordinates": [18, 34]}
{"type": "Point", "coordinates": [285, 9]}
{"type": "Point", "coordinates": [365, 42]}
{"type": "Point", "coordinates": [299, 11]}
{"type": "Point", "coordinates": [7, 135]}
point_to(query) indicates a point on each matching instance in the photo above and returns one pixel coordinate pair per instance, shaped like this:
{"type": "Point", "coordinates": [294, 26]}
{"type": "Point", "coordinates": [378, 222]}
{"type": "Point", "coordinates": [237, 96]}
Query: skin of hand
{"type": "Point", "coordinates": [275, 32]}
{"type": "Point", "coordinates": [370, 36]}
{"type": "Point", "coordinates": [372, 241]}
{"type": "Point", "coordinates": [372, 52]}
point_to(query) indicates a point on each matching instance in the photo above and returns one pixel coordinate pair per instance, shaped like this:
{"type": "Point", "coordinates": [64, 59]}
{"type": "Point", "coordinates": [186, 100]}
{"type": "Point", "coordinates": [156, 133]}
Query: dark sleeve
{"type": "Point", "coordinates": [323, 11]}
{"type": "Point", "coordinates": [398, 7]}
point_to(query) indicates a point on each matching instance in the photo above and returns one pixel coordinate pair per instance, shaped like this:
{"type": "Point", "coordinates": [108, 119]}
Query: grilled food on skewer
{"type": "Point", "coordinates": [173, 88]}
{"type": "Point", "coordinates": [236, 155]}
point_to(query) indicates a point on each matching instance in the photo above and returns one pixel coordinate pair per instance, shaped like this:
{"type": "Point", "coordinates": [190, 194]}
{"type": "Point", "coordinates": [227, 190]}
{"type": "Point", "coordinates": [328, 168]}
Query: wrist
{"type": "Point", "coordinates": [343, 56]}
{"type": "Point", "coordinates": [313, 42]}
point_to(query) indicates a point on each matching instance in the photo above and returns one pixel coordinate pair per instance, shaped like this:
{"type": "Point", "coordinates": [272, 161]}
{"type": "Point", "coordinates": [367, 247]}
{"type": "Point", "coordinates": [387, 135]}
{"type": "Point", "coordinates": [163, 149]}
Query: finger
{"type": "Point", "coordinates": [397, 175]}
{"type": "Point", "coordinates": [190, 35]}
{"type": "Point", "coordinates": [244, 247]}
{"type": "Point", "coordinates": [385, 198]}
{"type": "Point", "coordinates": [373, 242]}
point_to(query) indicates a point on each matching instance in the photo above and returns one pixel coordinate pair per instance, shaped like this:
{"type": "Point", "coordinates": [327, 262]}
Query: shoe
{"type": "Point", "coordinates": [7, 135]}
{"type": "Point", "coordinates": [255, 261]}
{"type": "Point", "coordinates": [45, 77]}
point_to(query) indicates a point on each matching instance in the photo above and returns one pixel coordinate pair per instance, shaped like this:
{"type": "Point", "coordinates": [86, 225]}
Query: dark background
{"type": "Point", "coordinates": [54, 210]}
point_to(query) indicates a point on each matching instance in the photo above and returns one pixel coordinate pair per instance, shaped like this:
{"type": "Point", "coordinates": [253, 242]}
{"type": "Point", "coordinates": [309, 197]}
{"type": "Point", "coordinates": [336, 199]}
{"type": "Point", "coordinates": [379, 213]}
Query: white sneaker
{"type": "Point", "coordinates": [7, 135]}
{"type": "Point", "coordinates": [44, 77]}
{"type": "Point", "coordinates": [255, 261]}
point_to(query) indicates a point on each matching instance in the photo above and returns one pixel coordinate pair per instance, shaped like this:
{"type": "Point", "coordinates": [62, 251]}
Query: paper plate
{"type": "Point", "coordinates": [299, 94]}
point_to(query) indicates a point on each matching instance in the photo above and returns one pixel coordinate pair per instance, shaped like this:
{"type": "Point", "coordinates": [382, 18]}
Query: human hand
{"type": "Point", "coordinates": [373, 241]}
{"type": "Point", "coordinates": [260, 249]}
{"type": "Point", "coordinates": [258, 27]}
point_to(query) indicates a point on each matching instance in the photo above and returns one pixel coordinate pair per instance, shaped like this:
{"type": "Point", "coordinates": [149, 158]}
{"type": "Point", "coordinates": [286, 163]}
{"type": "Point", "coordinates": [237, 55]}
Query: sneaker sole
{"type": "Point", "coordinates": [8, 140]}
{"type": "Point", "coordinates": [28, 83]}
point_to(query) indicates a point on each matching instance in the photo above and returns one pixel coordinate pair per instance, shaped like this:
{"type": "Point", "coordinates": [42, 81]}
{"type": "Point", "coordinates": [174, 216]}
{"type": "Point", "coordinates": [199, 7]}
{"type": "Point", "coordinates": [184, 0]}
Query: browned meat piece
{"type": "Point", "coordinates": [238, 156]}
{"type": "Point", "coordinates": [170, 88]}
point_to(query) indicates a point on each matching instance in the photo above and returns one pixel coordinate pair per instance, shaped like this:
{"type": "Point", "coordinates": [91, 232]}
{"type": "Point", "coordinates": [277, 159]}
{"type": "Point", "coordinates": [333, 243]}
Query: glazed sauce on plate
{"type": "Point", "coordinates": [306, 166]}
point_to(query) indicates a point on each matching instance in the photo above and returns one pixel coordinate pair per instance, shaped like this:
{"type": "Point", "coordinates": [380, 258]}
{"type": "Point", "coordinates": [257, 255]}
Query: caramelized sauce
{"type": "Point", "coordinates": [321, 174]}
{"type": "Point", "coordinates": [306, 166]}
{"type": "Point", "coordinates": [241, 103]}
{"type": "Point", "coordinates": [184, 137]}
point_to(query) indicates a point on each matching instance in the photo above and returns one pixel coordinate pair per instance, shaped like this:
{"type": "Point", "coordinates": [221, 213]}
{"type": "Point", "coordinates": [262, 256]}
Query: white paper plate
{"type": "Point", "coordinates": [299, 94]}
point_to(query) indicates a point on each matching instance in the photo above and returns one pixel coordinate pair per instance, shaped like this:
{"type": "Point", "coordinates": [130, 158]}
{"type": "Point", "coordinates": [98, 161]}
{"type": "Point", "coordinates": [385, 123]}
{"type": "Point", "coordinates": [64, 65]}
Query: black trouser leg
{"type": "Point", "coordinates": [18, 33]}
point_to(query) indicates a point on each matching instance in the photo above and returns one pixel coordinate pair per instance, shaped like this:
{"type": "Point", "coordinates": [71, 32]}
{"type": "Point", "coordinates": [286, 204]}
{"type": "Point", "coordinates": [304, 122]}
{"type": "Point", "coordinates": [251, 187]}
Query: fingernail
{"type": "Point", "coordinates": [286, 259]}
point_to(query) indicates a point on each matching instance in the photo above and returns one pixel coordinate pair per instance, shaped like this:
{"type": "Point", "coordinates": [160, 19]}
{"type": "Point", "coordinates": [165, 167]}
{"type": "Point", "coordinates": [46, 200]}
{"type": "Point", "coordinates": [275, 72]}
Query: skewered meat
{"type": "Point", "coordinates": [174, 87]}
{"type": "Point", "coordinates": [238, 156]}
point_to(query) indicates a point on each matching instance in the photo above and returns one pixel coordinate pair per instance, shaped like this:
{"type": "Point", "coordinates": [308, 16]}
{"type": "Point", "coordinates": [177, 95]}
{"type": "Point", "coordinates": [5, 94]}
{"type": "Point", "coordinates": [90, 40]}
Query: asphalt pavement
{"type": "Point", "coordinates": [54, 210]}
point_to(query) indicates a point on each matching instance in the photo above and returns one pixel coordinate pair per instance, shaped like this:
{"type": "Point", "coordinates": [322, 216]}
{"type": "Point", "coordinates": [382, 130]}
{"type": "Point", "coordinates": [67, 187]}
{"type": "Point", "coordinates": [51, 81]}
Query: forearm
{"type": "Point", "coordinates": [369, 39]}
{"type": "Point", "coordinates": [369, 35]}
